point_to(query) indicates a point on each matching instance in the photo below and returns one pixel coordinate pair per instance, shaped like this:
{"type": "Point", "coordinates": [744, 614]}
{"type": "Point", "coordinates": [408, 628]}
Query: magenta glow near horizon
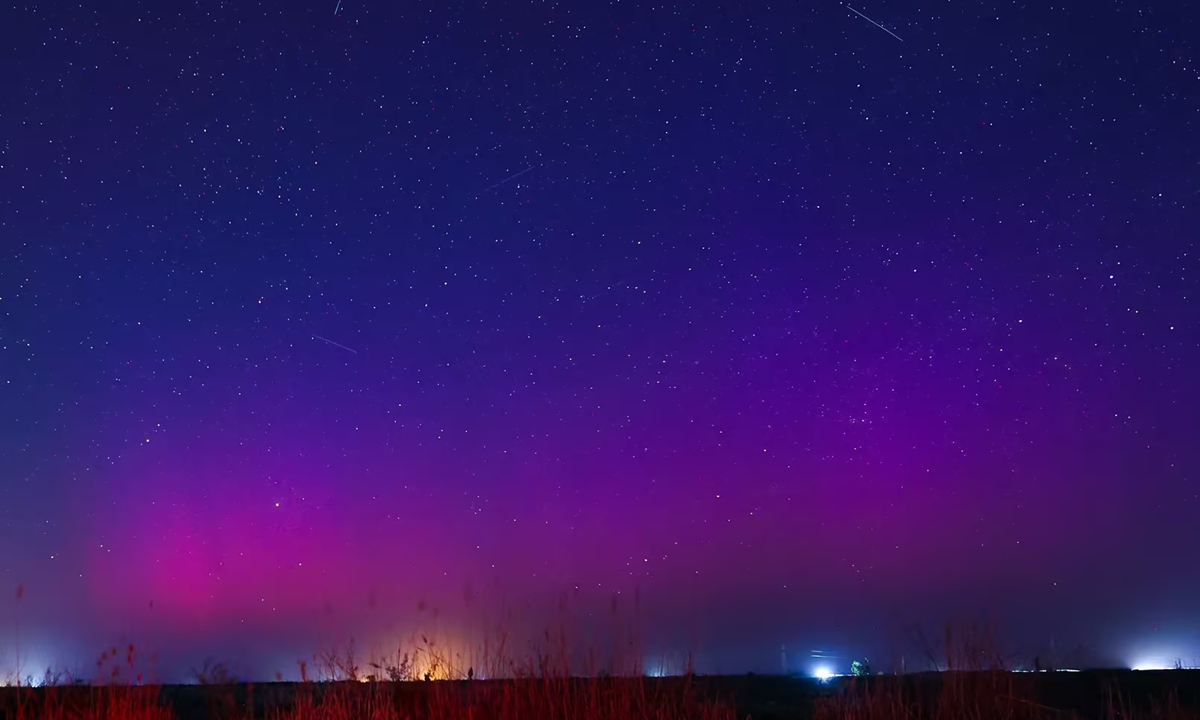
{"type": "Point", "coordinates": [762, 329]}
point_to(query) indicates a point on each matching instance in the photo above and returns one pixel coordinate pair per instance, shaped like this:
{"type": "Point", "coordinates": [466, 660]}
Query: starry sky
{"type": "Point", "coordinates": [778, 323]}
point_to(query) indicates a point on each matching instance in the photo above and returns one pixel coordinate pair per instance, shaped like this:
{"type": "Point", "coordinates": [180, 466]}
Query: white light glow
{"type": "Point", "coordinates": [822, 672]}
{"type": "Point", "coordinates": [1165, 652]}
{"type": "Point", "coordinates": [1166, 658]}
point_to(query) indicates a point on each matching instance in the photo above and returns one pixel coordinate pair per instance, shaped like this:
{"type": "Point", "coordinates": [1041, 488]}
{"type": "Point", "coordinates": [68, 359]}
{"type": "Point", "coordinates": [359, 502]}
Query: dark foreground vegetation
{"type": "Point", "coordinates": [1165, 695]}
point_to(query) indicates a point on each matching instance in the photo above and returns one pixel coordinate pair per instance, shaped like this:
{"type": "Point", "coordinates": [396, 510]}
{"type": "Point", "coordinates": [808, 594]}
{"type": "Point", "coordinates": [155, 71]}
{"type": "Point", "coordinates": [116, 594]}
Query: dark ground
{"type": "Point", "coordinates": [761, 697]}
{"type": "Point", "coordinates": [1088, 694]}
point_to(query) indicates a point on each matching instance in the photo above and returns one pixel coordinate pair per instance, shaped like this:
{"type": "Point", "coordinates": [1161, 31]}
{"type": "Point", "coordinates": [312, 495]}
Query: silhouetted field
{"type": "Point", "coordinates": [1165, 695]}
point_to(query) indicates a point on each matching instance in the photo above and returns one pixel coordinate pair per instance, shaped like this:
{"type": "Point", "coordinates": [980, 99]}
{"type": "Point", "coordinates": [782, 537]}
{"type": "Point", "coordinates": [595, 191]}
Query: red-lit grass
{"type": "Point", "coordinates": [549, 683]}
{"type": "Point", "coordinates": [424, 681]}
{"type": "Point", "coordinates": [117, 693]}
{"type": "Point", "coordinates": [428, 680]}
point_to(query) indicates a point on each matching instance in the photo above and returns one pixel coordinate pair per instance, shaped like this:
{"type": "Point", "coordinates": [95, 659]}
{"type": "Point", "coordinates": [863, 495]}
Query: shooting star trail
{"type": "Point", "coordinates": [336, 344]}
{"type": "Point", "coordinates": [864, 17]}
{"type": "Point", "coordinates": [510, 177]}
{"type": "Point", "coordinates": [337, 7]}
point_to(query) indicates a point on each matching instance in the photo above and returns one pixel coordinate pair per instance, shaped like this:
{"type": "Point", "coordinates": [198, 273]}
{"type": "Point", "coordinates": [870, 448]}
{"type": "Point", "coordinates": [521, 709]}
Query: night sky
{"type": "Point", "coordinates": [775, 323]}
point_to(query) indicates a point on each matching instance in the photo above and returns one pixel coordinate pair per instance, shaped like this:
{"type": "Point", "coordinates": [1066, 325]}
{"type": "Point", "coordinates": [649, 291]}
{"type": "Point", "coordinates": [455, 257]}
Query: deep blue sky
{"type": "Point", "coordinates": [802, 330]}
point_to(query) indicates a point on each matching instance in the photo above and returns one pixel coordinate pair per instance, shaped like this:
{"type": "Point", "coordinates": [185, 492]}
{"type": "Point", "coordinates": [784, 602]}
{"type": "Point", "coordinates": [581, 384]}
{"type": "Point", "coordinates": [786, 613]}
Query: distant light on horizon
{"type": "Point", "coordinates": [823, 672]}
{"type": "Point", "coordinates": [1165, 657]}
{"type": "Point", "coordinates": [1152, 666]}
